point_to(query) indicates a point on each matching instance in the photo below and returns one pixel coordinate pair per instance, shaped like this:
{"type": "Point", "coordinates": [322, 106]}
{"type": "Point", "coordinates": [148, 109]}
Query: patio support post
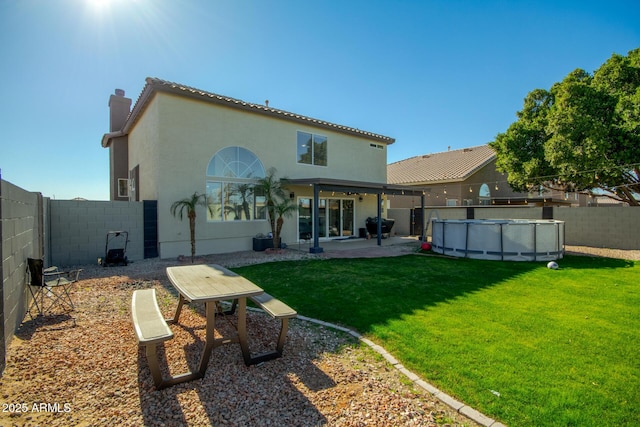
{"type": "Point", "coordinates": [424, 226]}
{"type": "Point", "coordinates": [316, 249]}
{"type": "Point", "coordinates": [379, 219]}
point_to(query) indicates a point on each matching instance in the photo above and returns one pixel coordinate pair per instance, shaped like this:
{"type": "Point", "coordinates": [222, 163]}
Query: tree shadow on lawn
{"type": "Point", "coordinates": [594, 262]}
{"type": "Point", "coordinates": [360, 293]}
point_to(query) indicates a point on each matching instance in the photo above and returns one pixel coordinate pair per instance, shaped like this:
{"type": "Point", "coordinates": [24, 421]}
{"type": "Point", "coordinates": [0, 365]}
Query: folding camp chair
{"type": "Point", "coordinates": [49, 287]}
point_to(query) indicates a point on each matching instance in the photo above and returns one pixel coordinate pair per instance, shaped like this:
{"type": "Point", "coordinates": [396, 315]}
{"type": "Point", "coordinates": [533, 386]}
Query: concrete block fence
{"type": "Point", "coordinates": [78, 230]}
{"type": "Point", "coordinates": [613, 227]}
{"type": "Point", "coordinates": [63, 232]}
{"type": "Point", "coordinates": [20, 231]}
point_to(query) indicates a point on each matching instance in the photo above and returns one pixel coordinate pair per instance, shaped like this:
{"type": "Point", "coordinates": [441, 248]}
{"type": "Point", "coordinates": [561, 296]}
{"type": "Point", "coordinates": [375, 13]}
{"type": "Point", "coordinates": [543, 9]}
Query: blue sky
{"type": "Point", "coordinates": [431, 74]}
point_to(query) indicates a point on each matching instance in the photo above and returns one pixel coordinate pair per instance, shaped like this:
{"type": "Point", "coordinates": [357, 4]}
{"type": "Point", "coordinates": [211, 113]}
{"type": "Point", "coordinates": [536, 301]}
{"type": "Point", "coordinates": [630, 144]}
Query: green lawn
{"type": "Point", "coordinates": [523, 344]}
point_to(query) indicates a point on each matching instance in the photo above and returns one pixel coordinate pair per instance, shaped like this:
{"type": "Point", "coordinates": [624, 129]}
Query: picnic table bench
{"type": "Point", "coordinates": [151, 329]}
{"type": "Point", "coordinates": [278, 310]}
{"type": "Point", "coordinates": [208, 284]}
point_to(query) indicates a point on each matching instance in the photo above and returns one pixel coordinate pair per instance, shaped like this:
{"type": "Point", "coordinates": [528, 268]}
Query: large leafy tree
{"type": "Point", "coordinates": [581, 135]}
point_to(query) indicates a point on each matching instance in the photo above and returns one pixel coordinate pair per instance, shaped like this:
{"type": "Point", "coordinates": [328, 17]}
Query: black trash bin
{"type": "Point", "coordinates": [262, 243]}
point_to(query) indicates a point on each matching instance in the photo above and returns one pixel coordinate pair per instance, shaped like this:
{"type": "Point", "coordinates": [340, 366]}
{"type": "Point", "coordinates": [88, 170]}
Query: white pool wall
{"type": "Point", "coordinates": [506, 240]}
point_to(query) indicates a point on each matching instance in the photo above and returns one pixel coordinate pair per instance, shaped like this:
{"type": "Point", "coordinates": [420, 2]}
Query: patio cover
{"type": "Point", "coordinates": [355, 187]}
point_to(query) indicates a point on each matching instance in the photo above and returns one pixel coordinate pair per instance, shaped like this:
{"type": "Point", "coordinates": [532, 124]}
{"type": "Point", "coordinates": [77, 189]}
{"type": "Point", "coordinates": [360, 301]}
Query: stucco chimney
{"type": "Point", "coordinates": [119, 107]}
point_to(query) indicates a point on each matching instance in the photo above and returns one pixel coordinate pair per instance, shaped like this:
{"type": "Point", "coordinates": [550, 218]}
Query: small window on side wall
{"type": "Point", "coordinates": [123, 187]}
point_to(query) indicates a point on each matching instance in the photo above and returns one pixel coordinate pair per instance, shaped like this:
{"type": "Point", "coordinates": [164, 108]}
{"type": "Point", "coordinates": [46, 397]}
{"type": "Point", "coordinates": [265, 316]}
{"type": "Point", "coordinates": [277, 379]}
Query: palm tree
{"type": "Point", "coordinates": [281, 209]}
{"type": "Point", "coordinates": [277, 202]}
{"type": "Point", "coordinates": [189, 205]}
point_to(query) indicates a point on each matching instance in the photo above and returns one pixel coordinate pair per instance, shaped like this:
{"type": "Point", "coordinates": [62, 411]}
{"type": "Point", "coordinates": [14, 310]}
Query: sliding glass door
{"type": "Point", "coordinates": [336, 218]}
{"type": "Point", "coordinates": [348, 217]}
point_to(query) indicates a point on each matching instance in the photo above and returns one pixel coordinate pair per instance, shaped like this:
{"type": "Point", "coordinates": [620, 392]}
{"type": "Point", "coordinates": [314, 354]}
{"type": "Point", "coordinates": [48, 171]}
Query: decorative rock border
{"type": "Point", "coordinates": [458, 406]}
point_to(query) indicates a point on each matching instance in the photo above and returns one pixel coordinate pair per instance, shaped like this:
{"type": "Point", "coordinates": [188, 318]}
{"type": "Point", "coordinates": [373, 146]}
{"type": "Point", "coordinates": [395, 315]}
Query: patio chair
{"type": "Point", "coordinates": [49, 287]}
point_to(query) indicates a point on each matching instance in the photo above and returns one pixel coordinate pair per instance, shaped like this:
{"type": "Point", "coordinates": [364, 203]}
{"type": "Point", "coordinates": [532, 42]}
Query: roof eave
{"type": "Point", "coordinates": [156, 85]}
{"type": "Point", "coordinates": [479, 167]}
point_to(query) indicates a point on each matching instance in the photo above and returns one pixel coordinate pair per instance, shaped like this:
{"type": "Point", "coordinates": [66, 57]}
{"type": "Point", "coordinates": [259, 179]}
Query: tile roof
{"type": "Point", "coordinates": [157, 85]}
{"type": "Point", "coordinates": [448, 166]}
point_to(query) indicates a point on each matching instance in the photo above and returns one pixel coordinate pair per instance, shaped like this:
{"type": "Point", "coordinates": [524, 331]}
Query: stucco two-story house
{"type": "Point", "coordinates": [177, 140]}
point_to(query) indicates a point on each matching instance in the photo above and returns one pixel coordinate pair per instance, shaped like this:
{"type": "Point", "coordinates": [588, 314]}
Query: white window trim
{"type": "Point", "coordinates": [222, 180]}
{"type": "Point", "coordinates": [124, 186]}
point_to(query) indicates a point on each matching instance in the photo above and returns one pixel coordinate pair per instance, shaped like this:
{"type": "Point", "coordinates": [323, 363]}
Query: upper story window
{"type": "Point", "coordinates": [231, 175]}
{"type": "Point", "coordinates": [484, 195]}
{"type": "Point", "coordinates": [484, 191]}
{"type": "Point", "coordinates": [312, 149]}
{"type": "Point", "coordinates": [235, 162]}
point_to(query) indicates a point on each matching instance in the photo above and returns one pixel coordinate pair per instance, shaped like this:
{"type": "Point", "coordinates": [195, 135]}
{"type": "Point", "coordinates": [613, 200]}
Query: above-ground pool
{"type": "Point", "coordinates": [499, 239]}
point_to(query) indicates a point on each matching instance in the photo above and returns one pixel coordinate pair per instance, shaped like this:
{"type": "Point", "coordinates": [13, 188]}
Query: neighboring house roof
{"type": "Point", "coordinates": [607, 201]}
{"type": "Point", "coordinates": [154, 85]}
{"type": "Point", "coordinates": [448, 166]}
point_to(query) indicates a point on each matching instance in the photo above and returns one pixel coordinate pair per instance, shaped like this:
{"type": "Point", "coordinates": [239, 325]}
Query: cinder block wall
{"type": "Point", "coordinates": [613, 227]}
{"type": "Point", "coordinates": [78, 230]}
{"type": "Point", "coordinates": [20, 232]}
{"type": "Point", "coordinates": [504, 212]}
{"type": "Point", "coordinates": [603, 227]}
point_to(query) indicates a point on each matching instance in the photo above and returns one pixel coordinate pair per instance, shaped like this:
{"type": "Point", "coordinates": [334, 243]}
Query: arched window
{"type": "Point", "coordinates": [484, 195]}
{"type": "Point", "coordinates": [231, 176]}
{"type": "Point", "coordinates": [235, 162]}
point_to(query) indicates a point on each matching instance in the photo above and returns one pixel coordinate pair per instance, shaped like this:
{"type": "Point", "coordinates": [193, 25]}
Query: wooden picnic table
{"type": "Point", "coordinates": [211, 284]}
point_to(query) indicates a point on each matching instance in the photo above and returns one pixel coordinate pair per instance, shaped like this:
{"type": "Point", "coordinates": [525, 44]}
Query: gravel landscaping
{"type": "Point", "coordinates": [85, 368]}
